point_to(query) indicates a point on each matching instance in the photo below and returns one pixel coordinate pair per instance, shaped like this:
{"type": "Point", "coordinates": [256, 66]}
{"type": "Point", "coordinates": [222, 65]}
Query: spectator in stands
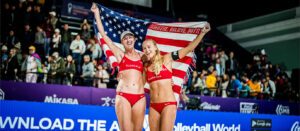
{"type": "Point", "coordinates": [49, 63]}
{"type": "Point", "coordinates": [38, 16]}
{"type": "Point", "coordinates": [211, 81]}
{"type": "Point", "coordinates": [12, 17]}
{"type": "Point", "coordinates": [279, 84]}
{"type": "Point", "coordinates": [57, 68]}
{"type": "Point", "coordinates": [218, 67]}
{"type": "Point", "coordinates": [188, 83]}
{"type": "Point", "coordinates": [202, 82]}
{"type": "Point", "coordinates": [70, 70]}
{"type": "Point", "coordinates": [271, 70]}
{"type": "Point", "coordinates": [85, 22]}
{"type": "Point", "coordinates": [94, 49]}
{"type": "Point", "coordinates": [266, 89]}
{"type": "Point", "coordinates": [235, 86]}
{"type": "Point", "coordinates": [248, 72]}
{"type": "Point", "coordinates": [85, 33]}
{"type": "Point", "coordinates": [224, 85]}
{"type": "Point", "coordinates": [26, 61]}
{"type": "Point", "coordinates": [56, 40]}
{"type": "Point", "coordinates": [45, 73]}
{"type": "Point", "coordinates": [213, 59]}
{"type": "Point", "coordinates": [11, 66]}
{"type": "Point", "coordinates": [87, 71]}
{"type": "Point", "coordinates": [28, 16]}
{"type": "Point", "coordinates": [27, 38]}
{"type": "Point", "coordinates": [66, 39]}
{"type": "Point", "coordinates": [40, 37]}
{"type": "Point", "coordinates": [11, 40]}
{"type": "Point", "coordinates": [49, 34]}
{"type": "Point", "coordinates": [4, 56]}
{"type": "Point", "coordinates": [196, 85]}
{"type": "Point", "coordinates": [211, 49]}
{"type": "Point", "coordinates": [244, 91]}
{"type": "Point", "coordinates": [218, 86]}
{"type": "Point", "coordinates": [78, 49]}
{"type": "Point", "coordinates": [31, 73]}
{"type": "Point", "coordinates": [257, 68]}
{"type": "Point", "coordinates": [223, 59]}
{"type": "Point", "coordinates": [53, 19]}
{"type": "Point", "coordinates": [272, 86]}
{"type": "Point", "coordinates": [255, 88]}
{"type": "Point", "coordinates": [231, 65]}
{"type": "Point", "coordinates": [101, 77]}
{"type": "Point", "coordinates": [18, 53]}
{"type": "Point", "coordinates": [210, 69]}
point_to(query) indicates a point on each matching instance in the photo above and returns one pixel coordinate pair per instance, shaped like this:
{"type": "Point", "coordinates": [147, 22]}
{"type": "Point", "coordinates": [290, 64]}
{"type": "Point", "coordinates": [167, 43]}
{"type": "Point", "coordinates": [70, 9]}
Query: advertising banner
{"type": "Point", "coordinates": [63, 94]}
{"type": "Point", "coordinates": [80, 9]}
{"type": "Point", "coordinates": [17, 115]}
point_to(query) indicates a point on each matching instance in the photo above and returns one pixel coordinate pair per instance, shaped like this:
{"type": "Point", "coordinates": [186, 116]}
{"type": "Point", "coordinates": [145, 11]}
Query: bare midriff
{"type": "Point", "coordinates": [161, 91]}
{"type": "Point", "coordinates": [130, 81]}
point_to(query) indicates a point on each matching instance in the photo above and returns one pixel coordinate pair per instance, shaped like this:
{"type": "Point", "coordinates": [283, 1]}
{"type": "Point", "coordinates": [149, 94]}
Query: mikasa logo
{"type": "Point", "coordinates": [54, 99]}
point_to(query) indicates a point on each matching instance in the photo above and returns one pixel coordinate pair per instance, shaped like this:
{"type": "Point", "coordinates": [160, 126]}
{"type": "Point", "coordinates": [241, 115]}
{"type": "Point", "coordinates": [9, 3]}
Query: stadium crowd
{"type": "Point", "coordinates": [37, 48]}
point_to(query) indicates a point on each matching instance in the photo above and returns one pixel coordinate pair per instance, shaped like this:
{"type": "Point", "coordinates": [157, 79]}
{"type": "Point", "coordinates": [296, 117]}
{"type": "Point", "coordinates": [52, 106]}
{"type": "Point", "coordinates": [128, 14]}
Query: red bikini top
{"type": "Point", "coordinates": [126, 64]}
{"type": "Point", "coordinates": [163, 74]}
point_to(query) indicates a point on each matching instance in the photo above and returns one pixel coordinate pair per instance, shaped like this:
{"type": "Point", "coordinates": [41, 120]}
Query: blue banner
{"type": "Point", "coordinates": [16, 115]}
{"type": "Point", "coordinates": [63, 94]}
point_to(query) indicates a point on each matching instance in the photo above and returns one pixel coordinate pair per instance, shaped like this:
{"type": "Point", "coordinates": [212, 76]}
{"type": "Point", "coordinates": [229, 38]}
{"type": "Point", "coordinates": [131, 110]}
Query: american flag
{"type": "Point", "coordinates": [169, 37]}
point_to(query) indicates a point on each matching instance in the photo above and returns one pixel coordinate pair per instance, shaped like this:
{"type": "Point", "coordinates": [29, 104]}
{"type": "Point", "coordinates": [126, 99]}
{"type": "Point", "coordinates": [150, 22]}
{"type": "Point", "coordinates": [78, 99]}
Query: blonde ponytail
{"type": "Point", "coordinates": [158, 61]}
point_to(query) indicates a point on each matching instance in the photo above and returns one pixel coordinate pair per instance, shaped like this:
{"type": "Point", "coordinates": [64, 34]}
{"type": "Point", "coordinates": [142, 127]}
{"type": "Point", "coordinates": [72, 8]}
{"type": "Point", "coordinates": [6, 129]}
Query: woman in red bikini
{"type": "Point", "coordinates": [158, 70]}
{"type": "Point", "coordinates": [130, 99]}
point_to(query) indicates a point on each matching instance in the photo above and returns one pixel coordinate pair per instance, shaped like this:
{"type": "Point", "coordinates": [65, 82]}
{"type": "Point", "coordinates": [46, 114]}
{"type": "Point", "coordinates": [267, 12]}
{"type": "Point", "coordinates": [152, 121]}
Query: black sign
{"type": "Point", "coordinates": [261, 123]}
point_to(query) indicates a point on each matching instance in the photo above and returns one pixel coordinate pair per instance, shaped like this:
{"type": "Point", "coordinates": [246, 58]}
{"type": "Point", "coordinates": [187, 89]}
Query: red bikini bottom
{"type": "Point", "coordinates": [131, 98]}
{"type": "Point", "coordinates": [160, 106]}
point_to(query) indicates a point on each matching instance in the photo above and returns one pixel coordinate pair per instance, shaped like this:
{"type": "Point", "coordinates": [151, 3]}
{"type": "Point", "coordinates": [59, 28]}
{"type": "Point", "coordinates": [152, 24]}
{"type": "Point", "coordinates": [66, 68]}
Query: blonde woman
{"type": "Point", "coordinates": [158, 70]}
{"type": "Point", "coordinates": [130, 99]}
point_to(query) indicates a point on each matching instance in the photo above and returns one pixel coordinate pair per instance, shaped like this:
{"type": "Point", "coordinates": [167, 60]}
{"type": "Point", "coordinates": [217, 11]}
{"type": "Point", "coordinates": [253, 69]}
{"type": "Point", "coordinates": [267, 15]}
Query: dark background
{"type": "Point", "coordinates": [219, 12]}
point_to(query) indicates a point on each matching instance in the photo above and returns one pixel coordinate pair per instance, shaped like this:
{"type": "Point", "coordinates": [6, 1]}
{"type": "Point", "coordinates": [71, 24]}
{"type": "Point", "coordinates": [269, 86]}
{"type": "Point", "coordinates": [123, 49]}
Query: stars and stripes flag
{"type": "Point", "coordinates": [169, 37]}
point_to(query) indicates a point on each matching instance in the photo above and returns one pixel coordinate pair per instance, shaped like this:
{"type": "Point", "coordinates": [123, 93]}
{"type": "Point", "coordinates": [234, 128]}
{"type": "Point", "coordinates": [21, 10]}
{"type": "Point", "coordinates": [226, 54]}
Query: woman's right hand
{"type": "Point", "coordinates": [95, 9]}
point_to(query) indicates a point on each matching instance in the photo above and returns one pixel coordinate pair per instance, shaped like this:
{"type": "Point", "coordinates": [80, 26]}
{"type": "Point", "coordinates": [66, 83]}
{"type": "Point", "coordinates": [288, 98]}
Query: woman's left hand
{"type": "Point", "coordinates": [206, 28]}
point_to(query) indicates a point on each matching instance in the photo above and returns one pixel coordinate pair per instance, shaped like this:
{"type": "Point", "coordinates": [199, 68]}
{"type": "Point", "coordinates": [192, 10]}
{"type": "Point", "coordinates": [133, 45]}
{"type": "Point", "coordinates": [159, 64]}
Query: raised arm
{"type": "Point", "coordinates": [115, 49]}
{"type": "Point", "coordinates": [192, 45]}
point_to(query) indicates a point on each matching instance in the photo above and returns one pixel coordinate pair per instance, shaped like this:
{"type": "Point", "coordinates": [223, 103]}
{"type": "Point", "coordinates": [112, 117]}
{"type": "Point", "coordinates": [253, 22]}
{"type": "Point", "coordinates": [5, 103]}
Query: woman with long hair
{"type": "Point", "coordinates": [130, 101]}
{"type": "Point", "coordinates": [158, 70]}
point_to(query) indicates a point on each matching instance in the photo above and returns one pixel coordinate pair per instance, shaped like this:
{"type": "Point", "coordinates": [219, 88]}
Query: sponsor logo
{"type": "Point", "coordinates": [295, 126]}
{"type": "Point", "coordinates": [55, 99]}
{"type": "Point", "coordinates": [46, 123]}
{"type": "Point", "coordinates": [70, 8]}
{"type": "Point", "coordinates": [209, 106]}
{"type": "Point", "coordinates": [280, 110]}
{"type": "Point", "coordinates": [207, 127]}
{"type": "Point", "coordinates": [261, 123]}
{"type": "Point", "coordinates": [2, 95]}
{"type": "Point", "coordinates": [108, 101]}
{"type": "Point", "coordinates": [246, 107]}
